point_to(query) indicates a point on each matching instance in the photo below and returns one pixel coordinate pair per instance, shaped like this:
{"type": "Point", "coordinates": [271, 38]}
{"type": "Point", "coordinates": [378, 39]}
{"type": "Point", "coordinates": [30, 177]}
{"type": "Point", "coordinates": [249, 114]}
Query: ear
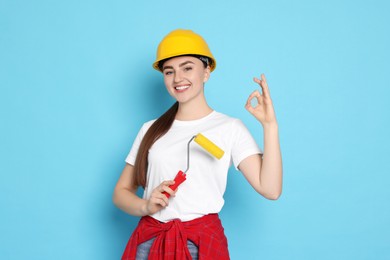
{"type": "Point", "coordinates": [206, 74]}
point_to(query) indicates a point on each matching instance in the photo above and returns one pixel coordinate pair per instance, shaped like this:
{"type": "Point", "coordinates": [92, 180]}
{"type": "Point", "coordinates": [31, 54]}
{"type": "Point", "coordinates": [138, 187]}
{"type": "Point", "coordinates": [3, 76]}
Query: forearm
{"type": "Point", "coordinates": [129, 202]}
{"type": "Point", "coordinates": [271, 167]}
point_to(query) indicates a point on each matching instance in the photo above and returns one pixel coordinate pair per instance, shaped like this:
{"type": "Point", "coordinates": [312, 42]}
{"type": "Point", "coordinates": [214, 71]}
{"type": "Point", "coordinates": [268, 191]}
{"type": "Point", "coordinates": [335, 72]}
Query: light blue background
{"type": "Point", "coordinates": [76, 84]}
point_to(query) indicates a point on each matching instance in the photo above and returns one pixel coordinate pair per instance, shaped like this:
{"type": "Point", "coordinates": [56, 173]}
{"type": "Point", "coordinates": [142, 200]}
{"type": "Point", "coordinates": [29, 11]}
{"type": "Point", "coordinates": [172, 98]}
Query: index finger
{"type": "Point", "coordinates": [264, 86]}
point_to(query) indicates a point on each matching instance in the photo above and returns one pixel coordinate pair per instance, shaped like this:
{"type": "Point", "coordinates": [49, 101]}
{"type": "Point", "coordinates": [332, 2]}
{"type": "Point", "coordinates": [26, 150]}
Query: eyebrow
{"type": "Point", "coordinates": [180, 65]}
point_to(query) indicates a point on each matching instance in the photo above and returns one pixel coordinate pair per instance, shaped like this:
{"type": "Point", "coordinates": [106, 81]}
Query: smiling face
{"type": "Point", "coordinates": [184, 78]}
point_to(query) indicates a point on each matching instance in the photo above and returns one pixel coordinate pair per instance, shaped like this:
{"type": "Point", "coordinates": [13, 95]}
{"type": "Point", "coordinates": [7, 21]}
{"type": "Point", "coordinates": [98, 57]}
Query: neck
{"type": "Point", "coordinates": [193, 110]}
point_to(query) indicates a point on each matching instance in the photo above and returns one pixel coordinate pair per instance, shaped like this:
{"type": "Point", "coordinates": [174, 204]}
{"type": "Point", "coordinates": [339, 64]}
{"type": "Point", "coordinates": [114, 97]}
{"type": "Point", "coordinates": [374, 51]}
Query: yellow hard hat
{"type": "Point", "coordinates": [183, 42]}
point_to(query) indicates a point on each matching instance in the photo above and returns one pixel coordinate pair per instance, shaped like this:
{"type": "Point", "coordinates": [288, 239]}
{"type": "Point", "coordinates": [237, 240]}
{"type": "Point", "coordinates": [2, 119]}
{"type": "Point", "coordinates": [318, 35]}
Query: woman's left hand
{"type": "Point", "coordinates": [264, 110]}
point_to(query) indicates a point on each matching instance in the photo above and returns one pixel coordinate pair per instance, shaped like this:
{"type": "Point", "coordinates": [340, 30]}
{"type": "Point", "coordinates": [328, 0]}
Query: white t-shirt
{"type": "Point", "coordinates": [202, 192]}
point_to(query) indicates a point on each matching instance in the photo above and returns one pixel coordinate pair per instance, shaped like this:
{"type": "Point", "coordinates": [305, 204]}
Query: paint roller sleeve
{"type": "Point", "coordinates": [209, 146]}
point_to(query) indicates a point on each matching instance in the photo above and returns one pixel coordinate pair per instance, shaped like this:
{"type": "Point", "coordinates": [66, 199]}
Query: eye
{"type": "Point", "coordinates": [168, 72]}
{"type": "Point", "coordinates": [187, 68]}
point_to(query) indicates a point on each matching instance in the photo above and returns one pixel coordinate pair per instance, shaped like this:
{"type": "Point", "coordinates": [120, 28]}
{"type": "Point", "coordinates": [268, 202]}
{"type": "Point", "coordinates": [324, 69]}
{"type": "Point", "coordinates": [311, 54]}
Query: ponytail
{"type": "Point", "coordinates": [156, 130]}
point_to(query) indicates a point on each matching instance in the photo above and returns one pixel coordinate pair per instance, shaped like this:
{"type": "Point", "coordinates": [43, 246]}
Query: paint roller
{"type": "Point", "coordinates": [207, 145]}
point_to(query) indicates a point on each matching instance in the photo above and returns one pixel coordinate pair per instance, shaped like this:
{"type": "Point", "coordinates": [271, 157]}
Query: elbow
{"type": "Point", "coordinates": [272, 195]}
{"type": "Point", "coordinates": [275, 196]}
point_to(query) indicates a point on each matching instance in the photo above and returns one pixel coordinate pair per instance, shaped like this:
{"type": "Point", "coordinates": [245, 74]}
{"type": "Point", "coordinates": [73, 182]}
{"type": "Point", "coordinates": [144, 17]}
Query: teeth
{"type": "Point", "coordinates": [182, 87]}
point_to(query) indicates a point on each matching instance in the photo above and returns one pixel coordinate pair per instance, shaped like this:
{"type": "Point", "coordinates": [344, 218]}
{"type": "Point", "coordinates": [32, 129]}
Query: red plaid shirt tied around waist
{"type": "Point", "coordinates": [171, 239]}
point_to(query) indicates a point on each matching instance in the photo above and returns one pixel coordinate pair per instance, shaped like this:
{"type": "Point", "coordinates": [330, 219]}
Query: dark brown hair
{"type": "Point", "coordinates": [205, 60]}
{"type": "Point", "coordinates": [156, 130]}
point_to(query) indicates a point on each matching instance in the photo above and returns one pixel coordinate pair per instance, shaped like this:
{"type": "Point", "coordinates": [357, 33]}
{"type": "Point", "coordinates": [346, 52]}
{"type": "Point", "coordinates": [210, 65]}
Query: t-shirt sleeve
{"type": "Point", "coordinates": [130, 159]}
{"type": "Point", "coordinates": [244, 144]}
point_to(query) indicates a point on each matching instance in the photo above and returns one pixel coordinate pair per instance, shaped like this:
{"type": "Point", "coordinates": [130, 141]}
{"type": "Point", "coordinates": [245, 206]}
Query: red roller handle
{"type": "Point", "coordinates": [179, 179]}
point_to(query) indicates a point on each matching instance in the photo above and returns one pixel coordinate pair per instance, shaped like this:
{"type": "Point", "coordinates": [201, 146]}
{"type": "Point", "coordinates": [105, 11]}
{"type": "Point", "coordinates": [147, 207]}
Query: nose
{"type": "Point", "coordinates": [178, 76]}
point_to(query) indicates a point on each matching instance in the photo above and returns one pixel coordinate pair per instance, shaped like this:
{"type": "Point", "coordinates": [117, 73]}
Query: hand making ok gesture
{"type": "Point", "coordinates": [264, 110]}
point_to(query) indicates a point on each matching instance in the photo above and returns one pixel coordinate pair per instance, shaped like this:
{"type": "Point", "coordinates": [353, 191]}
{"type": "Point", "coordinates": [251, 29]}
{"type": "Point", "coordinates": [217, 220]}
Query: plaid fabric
{"type": "Point", "coordinates": [171, 239]}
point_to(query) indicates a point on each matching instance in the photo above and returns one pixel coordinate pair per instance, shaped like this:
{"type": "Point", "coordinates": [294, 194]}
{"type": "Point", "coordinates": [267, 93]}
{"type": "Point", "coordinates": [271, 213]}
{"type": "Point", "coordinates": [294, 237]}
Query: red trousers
{"type": "Point", "coordinates": [171, 239]}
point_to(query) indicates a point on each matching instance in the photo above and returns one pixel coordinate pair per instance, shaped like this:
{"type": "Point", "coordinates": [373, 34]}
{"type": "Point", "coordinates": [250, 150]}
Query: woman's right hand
{"type": "Point", "coordinates": [158, 200]}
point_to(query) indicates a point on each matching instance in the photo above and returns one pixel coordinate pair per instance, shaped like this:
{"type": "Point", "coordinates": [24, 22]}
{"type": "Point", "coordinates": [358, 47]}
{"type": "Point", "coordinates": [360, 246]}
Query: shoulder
{"type": "Point", "coordinates": [148, 123]}
{"type": "Point", "coordinates": [145, 127]}
{"type": "Point", "coordinates": [232, 121]}
{"type": "Point", "coordinates": [222, 116]}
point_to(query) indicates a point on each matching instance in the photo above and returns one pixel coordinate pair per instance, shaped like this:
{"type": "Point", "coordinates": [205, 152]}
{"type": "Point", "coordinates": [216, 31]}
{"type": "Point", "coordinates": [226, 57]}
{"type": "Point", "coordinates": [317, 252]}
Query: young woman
{"type": "Point", "coordinates": [183, 223]}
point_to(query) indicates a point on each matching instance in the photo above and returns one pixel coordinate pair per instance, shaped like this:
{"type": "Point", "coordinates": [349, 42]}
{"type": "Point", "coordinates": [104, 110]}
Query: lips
{"type": "Point", "coordinates": [181, 88]}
